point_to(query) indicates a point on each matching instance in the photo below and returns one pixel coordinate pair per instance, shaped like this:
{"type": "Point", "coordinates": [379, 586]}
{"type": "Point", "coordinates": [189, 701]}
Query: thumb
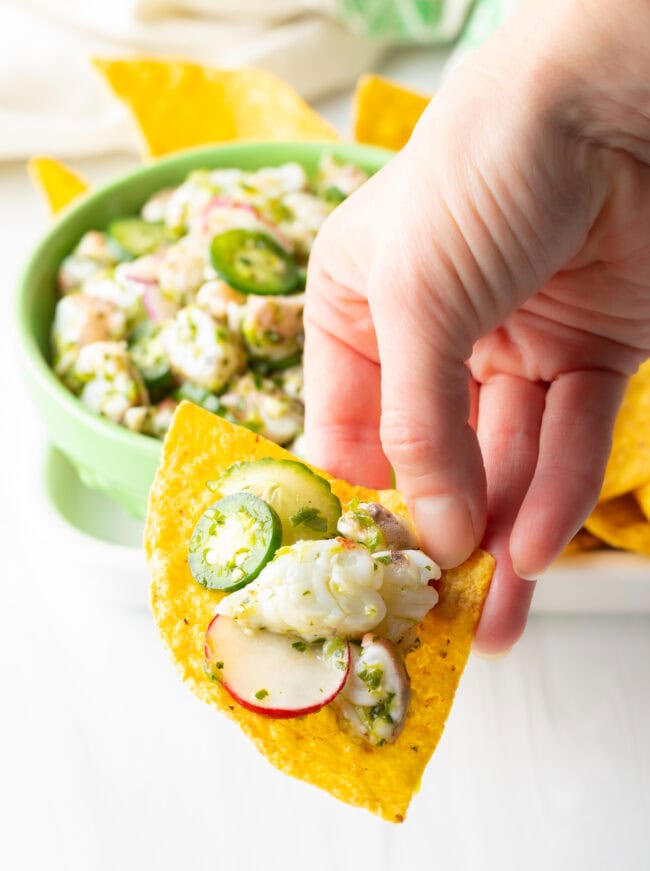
{"type": "Point", "coordinates": [425, 401]}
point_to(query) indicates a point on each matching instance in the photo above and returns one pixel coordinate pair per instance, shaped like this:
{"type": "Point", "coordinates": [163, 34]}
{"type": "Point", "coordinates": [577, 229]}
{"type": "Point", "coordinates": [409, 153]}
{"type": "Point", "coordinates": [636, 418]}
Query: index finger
{"type": "Point", "coordinates": [342, 391]}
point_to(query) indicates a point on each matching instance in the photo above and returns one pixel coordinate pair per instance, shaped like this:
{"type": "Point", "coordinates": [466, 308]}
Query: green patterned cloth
{"type": "Point", "coordinates": [485, 17]}
{"type": "Point", "coordinates": [426, 21]}
{"type": "Point", "coordinates": [423, 21]}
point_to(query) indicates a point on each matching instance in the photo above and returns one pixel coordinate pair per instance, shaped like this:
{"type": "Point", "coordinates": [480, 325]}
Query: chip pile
{"type": "Point", "coordinates": [622, 517]}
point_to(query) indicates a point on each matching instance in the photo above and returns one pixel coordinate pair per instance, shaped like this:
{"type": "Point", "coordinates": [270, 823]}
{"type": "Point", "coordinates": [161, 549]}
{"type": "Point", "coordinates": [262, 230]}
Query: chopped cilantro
{"type": "Point", "coordinates": [299, 645]}
{"type": "Point", "coordinates": [384, 560]}
{"type": "Point", "coordinates": [261, 694]}
{"type": "Point", "coordinates": [371, 676]}
{"type": "Point", "coordinates": [334, 195]}
{"type": "Point", "coordinates": [381, 711]}
{"type": "Point", "coordinates": [219, 664]}
{"type": "Point", "coordinates": [309, 517]}
{"type": "Point", "coordinates": [253, 425]}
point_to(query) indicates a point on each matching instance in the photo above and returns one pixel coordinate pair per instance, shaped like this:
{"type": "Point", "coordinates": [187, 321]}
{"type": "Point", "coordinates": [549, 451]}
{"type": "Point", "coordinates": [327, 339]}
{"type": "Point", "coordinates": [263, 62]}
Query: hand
{"type": "Point", "coordinates": [474, 311]}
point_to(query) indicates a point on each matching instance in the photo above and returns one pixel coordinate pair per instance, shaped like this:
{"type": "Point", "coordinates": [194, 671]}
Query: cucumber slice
{"type": "Point", "coordinates": [233, 541]}
{"type": "Point", "coordinates": [137, 237]}
{"type": "Point", "coordinates": [147, 352]}
{"type": "Point", "coordinates": [199, 396]}
{"type": "Point", "coordinates": [303, 500]}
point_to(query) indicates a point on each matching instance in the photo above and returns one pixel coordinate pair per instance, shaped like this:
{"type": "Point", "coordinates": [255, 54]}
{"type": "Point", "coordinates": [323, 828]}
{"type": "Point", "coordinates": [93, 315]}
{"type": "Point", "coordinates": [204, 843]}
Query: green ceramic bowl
{"type": "Point", "coordinates": [108, 457]}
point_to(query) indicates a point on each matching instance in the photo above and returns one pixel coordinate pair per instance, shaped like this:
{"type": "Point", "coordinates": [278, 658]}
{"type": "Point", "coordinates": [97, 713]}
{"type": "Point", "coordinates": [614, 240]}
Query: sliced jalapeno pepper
{"type": "Point", "coordinates": [253, 262]}
{"type": "Point", "coordinates": [233, 541]}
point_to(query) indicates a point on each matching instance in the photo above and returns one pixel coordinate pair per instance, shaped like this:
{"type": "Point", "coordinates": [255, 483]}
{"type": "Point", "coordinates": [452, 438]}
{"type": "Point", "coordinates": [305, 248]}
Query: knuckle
{"type": "Point", "coordinates": [407, 445]}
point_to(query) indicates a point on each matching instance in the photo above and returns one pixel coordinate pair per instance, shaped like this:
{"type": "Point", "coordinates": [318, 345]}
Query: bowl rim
{"type": "Point", "coordinates": [39, 368]}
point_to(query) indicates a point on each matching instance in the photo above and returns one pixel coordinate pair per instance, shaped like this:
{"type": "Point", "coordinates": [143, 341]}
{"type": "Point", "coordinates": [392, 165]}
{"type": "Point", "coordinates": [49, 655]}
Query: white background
{"type": "Point", "coordinates": [108, 762]}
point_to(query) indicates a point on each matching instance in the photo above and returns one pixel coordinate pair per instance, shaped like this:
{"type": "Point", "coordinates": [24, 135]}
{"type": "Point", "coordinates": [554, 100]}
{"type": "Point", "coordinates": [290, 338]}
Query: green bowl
{"type": "Point", "coordinates": [109, 457]}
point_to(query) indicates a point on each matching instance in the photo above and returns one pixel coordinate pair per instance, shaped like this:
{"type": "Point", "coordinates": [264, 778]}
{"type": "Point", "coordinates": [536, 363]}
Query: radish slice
{"type": "Point", "coordinates": [157, 306]}
{"type": "Point", "coordinates": [222, 213]}
{"type": "Point", "coordinates": [276, 675]}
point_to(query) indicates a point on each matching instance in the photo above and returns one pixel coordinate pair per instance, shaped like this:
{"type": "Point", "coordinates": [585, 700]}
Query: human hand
{"type": "Point", "coordinates": [474, 310]}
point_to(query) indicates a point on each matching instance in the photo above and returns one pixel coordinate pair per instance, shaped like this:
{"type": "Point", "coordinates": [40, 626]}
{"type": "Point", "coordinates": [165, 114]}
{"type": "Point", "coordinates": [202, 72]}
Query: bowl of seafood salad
{"type": "Point", "coordinates": [183, 280]}
{"type": "Point", "coordinates": [322, 601]}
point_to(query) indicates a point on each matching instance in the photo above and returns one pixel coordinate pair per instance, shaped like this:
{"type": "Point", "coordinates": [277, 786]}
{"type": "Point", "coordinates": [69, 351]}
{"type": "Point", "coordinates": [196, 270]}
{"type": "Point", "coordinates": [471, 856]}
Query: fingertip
{"type": "Point", "coordinates": [446, 529]}
{"type": "Point", "coordinates": [505, 612]}
{"type": "Point", "coordinates": [527, 576]}
{"type": "Point", "coordinates": [538, 537]}
{"type": "Point", "coordinates": [483, 655]}
{"type": "Point", "coordinates": [495, 639]}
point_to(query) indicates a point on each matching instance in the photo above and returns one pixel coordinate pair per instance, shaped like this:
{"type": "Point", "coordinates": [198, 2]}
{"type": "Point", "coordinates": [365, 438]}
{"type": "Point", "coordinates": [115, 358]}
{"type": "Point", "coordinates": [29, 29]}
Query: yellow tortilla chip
{"type": "Point", "coordinates": [385, 113]}
{"type": "Point", "coordinates": [58, 184]}
{"type": "Point", "coordinates": [629, 462]}
{"type": "Point", "coordinates": [581, 542]}
{"type": "Point", "coordinates": [177, 104]}
{"type": "Point", "coordinates": [621, 523]}
{"type": "Point", "coordinates": [199, 446]}
{"type": "Point", "coordinates": [643, 498]}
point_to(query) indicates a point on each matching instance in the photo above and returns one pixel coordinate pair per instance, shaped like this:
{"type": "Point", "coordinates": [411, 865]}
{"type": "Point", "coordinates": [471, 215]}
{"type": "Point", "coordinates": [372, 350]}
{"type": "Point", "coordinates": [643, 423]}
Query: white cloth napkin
{"type": "Point", "coordinates": [53, 101]}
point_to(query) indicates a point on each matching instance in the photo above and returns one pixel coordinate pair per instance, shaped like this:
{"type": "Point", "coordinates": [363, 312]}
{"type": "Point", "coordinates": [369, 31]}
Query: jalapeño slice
{"type": "Point", "coordinates": [233, 541]}
{"type": "Point", "coordinates": [253, 262]}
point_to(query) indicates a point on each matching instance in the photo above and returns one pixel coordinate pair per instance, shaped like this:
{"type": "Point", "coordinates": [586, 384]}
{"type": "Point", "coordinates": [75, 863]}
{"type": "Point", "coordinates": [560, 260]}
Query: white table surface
{"type": "Point", "coordinates": [108, 762]}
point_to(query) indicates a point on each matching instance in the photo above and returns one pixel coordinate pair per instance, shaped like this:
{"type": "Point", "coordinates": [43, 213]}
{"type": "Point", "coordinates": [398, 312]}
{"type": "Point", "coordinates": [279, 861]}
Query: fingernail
{"type": "Point", "coordinates": [445, 526]}
{"type": "Point", "coordinates": [524, 575]}
{"type": "Point", "coordinates": [499, 655]}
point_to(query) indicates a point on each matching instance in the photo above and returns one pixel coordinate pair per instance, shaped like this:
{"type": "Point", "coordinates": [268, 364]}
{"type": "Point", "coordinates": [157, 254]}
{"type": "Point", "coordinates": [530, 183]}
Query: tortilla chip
{"type": "Point", "coordinates": [58, 184]}
{"type": "Point", "coordinates": [177, 104]}
{"type": "Point", "coordinates": [385, 113]}
{"type": "Point", "coordinates": [629, 462]}
{"type": "Point", "coordinates": [199, 446]}
{"type": "Point", "coordinates": [621, 523]}
{"type": "Point", "coordinates": [581, 542]}
{"type": "Point", "coordinates": [642, 496]}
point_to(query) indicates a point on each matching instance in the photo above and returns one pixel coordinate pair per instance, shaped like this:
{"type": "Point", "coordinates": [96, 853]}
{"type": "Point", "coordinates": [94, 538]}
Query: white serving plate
{"type": "Point", "coordinates": [84, 526]}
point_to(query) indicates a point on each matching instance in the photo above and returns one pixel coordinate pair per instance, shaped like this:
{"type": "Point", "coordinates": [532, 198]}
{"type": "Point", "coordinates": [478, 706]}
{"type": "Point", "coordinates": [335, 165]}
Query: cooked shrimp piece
{"type": "Point", "coordinates": [257, 403]}
{"type": "Point", "coordinates": [336, 587]}
{"type": "Point", "coordinates": [152, 420]}
{"type": "Point", "coordinates": [183, 269]}
{"type": "Point", "coordinates": [111, 383]}
{"type": "Point", "coordinates": [218, 298]}
{"type": "Point", "coordinates": [201, 350]}
{"type": "Point", "coordinates": [79, 320]}
{"type": "Point", "coordinates": [376, 695]}
{"type": "Point", "coordinates": [337, 179]}
{"type": "Point", "coordinates": [95, 252]}
{"type": "Point", "coordinates": [272, 326]}
{"type": "Point", "coordinates": [314, 589]}
{"type": "Point", "coordinates": [372, 524]}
